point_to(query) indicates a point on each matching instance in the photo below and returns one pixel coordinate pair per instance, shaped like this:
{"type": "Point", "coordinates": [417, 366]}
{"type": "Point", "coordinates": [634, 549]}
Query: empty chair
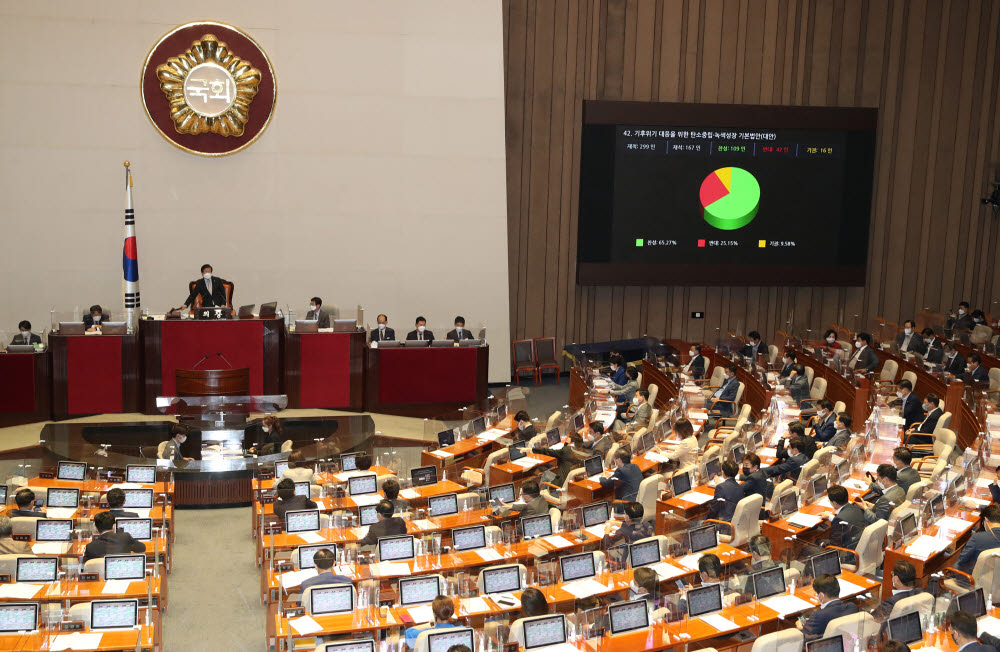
{"type": "Point", "coordinates": [559, 496]}
{"type": "Point", "coordinates": [649, 491]}
{"type": "Point", "coordinates": [524, 360]}
{"type": "Point", "coordinates": [286, 446]}
{"type": "Point", "coordinates": [664, 543]}
{"type": "Point", "coordinates": [97, 566]}
{"type": "Point", "coordinates": [870, 549]}
{"type": "Point", "coordinates": [912, 377]}
{"type": "Point", "coordinates": [24, 525]}
{"type": "Point", "coordinates": [545, 356]}
{"type": "Point", "coordinates": [8, 564]}
{"type": "Point", "coordinates": [889, 369]}
{"type": "Point", "coordinates": [654, 389]}
{"type": "Point", "coordinates": [80, 612]}
{"type": "Point", "coordinates": [986, 568]}
{"type": "Point", "coordinates": [481, 476]}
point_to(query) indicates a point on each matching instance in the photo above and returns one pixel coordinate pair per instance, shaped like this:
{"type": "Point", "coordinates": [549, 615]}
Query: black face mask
{"type": "Point", "coordinates": [746, 470]}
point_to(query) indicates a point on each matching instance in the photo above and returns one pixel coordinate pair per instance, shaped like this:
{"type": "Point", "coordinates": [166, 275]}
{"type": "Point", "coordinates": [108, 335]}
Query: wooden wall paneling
{"type": "Point", "coordinates": [556, 160]}
{"type": "Point", "coordinates": [754, 47]}
{"type": "Point", "coordinates": [672, 37]}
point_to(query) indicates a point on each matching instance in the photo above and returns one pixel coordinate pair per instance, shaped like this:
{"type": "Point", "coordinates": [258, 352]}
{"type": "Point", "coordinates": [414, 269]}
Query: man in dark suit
{"type": "Point", "coordinates": [787, 361]}
{"type": "Point", "coordinates": [825, 422]}
{"type": "Point", "coordinates": [696, 366]}
{"type": "Point", "coordinates": [109, 542]}
{"type": "Point", "coordinates": [386, 526]}
{"type": "Point", "coordinates": [209, 288]}
{"type": "Point", "coordinates": [908, 403]}
{"type": "Point", "coordinates": [25, 501]}
{"type": "Point", "coordinates": [420, 332]}
{"type": "Point", "coordinates": [634, 529]}
{"type": "Point", "coordinates": [25, 336]}
{"type": "Point", "coordinates": [727, 494]}
{"type": "Point", "coordinates": [909, 340]}
{"type": "Point", "coordinates": [980, 542]}
{"type": "Point", "coordinates": [791, 466]}
{"type": "Point", "coordinates": [382, 332]}
{"type": "Point", "coordinates": [892, 495]}
{"type": "Point", "coordinates": [904, 585]}
{"type": "Point", "coordinates": [94, 318]}
{"type": "Point", "coordinates": [964, 632]}
{"type": "Point", "coordinates": [316, 312]}
{"type": "Point", "coordinates": [459, 332]}
{"type": "Point", "coordinates": [933, 352]}
{"type": "Point", "coordinates": [798, 383]}
{"type": "Point", "coordinates": [391, 490]}
{"type": "Point", "coordinates": [289, 502]}
{"type": "Point", "coordinates": [796, 429]}
{"type": "Point", "coordinates": [760, 558]}
{"type": "Point", "coordinates": [116, 500]}
{"type": "Point", "coordinates": [954, 362]}
{"type": "Point", "coordinates": [931, 406]}
{"type": "Point", "coordinates": [755, 346]}
{"type": "Point", "coordinates": [570, 456]}
{"type": "Point", "coordinates": [626, 477]}
{"type": "Point", "coordinates": [754, 479]}
{"type": "Point", "coordinates": [530, 503]}
{"type": "Point", "coordinates": [523, 428]}
{"type": "Point", "coordinates": [597, 440]}
{"type": "Point", "coordinates": [827, 590]}
{"type": "Point", "coordinates": [843, 434]}
{"type": "Point", "coordinates": [976, 372]}
{"type": "Point", "coordinates": [617, 366]}
{"type": "Point", "coordinates": [961, 320]}
{"type": "Point", "coordinates": [865, 358]}
{"type": "Point", "coordinates": [906, 475]}
{"type": "Point", "coordinates": [726, 392]}
{"type": "Point", "coordinates": [847, 521]}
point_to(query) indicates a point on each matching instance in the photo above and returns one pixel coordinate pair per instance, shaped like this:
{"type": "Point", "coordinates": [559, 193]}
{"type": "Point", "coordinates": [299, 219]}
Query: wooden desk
{"type": "Point", "coordinates": [425, 382]}
{"type": "Point", "coordinates": [471, 452]}
{"type": "Point", "coordinates": [111, 641]}
{"type": "Point", "coordinates": [27, 391]}
{"type": "Point", "coordinates": [94, 374]}
{"type": "Point", "coordinates": [100, 486]}
{"type": "Point", "coordinates": [325, 370]}
{"type": "Point", "coordinates": [511, 472]}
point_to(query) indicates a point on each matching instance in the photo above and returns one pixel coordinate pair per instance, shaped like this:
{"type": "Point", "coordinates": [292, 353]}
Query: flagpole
{"type": "Point", "coordinates": [130, 258]}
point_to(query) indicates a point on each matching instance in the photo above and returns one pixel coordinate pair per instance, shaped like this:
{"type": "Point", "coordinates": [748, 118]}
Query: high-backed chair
{"type": "Point", "coordinates": [649, 491]}
{"type": "Point", "coordinates": [912, 377]}
{"type": "Point", "coordinates": [23, 525]}
{"type": "Point", "coordinates": [943, 446]}
{"type": "Point", "coordinates": [654, 390]}
{"type": "Point", "coordinates": [780, 489]}
{"type": "Point", "coordinates": [523, 359]}
{"type": "Point", "coordinates": [772, 354]}
{"type": "Point", "coordinates": [96, 566]}
{"type": "Point", "coordinates": [8, 564]}
{"type": "Point", "coordinates": [553, 420]}
{"type": "Point", "coordinates": [994, 378]}
{"type": "Point", "coordinates": [869, 552]}
{"type": "Point", "coordinates": [922, 603]}
{"type": "Point", "coordinates": [824, 455]}
{"type": "Point", "coordinates": [745, 522]}
{"type": "Point", "coordinates": [889, 369]}
{"type": "Point", "coordinates": [785, 640]}
{"type": "Point", "coordinates": [559, 496]}
{"type": "Point", "coordinates": [810, 374]}
{"type": "Point", "coordinates": [611, 454]}
{"type": "Point", "coordinates": [162, 446]}
{"type": "Point", "coordinates": [545, 356]}
{"type": "Point", "coordinates": [986, 568]}
{"type": "Point", "coordinates": [861, 624]}
{"type": "Point", "coordinates": [839, 407]}
{"type": "Point", "coordinates": [80, 612]}
{"type": "Point", "coordinates": [554, 515]}
{"type": "Point", "coordinates": [808, 471]}
{"type": "Point", "coordinates": [481, 476]}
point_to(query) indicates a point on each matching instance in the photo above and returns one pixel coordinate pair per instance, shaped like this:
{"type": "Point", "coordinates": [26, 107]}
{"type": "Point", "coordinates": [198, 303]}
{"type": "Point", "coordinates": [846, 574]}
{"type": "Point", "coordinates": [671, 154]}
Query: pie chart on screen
{"type": "Point", "coordinates": [729, 198]}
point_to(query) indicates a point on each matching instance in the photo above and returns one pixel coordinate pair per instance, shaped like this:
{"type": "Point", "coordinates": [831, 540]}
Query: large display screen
{"type": "Point", "coordinates": [708, 194]}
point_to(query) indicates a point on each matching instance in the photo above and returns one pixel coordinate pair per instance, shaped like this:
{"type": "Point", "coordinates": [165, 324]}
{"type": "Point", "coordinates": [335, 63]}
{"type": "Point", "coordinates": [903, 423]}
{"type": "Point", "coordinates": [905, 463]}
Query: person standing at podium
{"type": "Point", "coordinates": [382, 333]}
{"type": "Point", "coordinates": [459, 333]}
{"type": "Point", "coordinates": [316, 312]}
{"type": "Point", "coordinates": [25, 336]}
{"type": "Point", "coordinates": [420, 332]}
{"type": "Point", "coordinates": [208, 288]}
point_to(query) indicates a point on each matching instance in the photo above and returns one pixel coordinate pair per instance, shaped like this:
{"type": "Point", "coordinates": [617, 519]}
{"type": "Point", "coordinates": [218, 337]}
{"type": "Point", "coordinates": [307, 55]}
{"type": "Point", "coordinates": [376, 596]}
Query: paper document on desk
{"type": "Point", "coordinates": [893, 419]}
{"type": "Point", "coordinates": [656, 457]}
{"type": "Point", "coordinates": [366, 499]}
{"type": "Point", "coordinates": [60, 512]}
{"type": "Point", "coordinates": [696, 497]}
{"type": "Point", "coordinates": [347, 475]}
{"type": "Point", "coordinates": [596, 478]}
{"type": "Point", "coordinates": [487, 554]}
{"type": "Point", "coordinates": [665, 571]}
{"type": "Point", "coordinates": [558, 647]}
{"type": "Point", "coordinates": [596, 530]}
{"type": "Point", "coordinates": [527, 462]}
{"type": "Point", "coordinates": [424, 524]}
{"type": "Point", "coordinates": [19, 590]}
{"type": "Point", "coordinates": [984, 482]}
{"type": "Point", "coordinates": [854, 483]}
{"type": "Point", "coordinates": [690, 561]}
{"type": "Point", "coordinates": [952, 524]}
{"type": "Point", "coordinates": [701, 415]}
{"type": "Point", "coordinates": [558, 446]}
{"type": "Point", "coordinates": [492, 434]}
{"type": "Point", "coordinates": [798, 519]}
{"type": "Point", "coordinates": [311, 537]}
{"type": "Point", "coordinates": [409, 494]}
{"type": "Point", "coordinates": [442, 454]}
{"type": "Point", "coordinates": [77, 641]}
{"type": "Point", "coordinates": [584, 588]}
{"type": "Point", "coordinates": [557, 541]}
{"type": "Point", "coordinates": [475, 605]}
{"type": "Point", "coordinates": [291, 579]}
{"type": "Point", "coordinates": [768, 452]}
{"type": "Point", "coordinates": [50, 547]}
{"type": "Point", "coordinates": [360, 532]}
{"type": "Point", "coordinates": [871, 468]}
{"type": "Point", "coordinates": [787, 604]}
{"type": "Point", "coordinates": [792, 412]}
{"type": "Point", "coordinates": [988, 624]}
{"type": "Point", "coordinates": [346, 571]}
{"type": "Point", "coordinates": [849, 588]}
{"type": "Point", "coordinates": [115, 587]}
{"type": "Point", "coordinates": [718, 622]}
{"type": "Point", "coordinates": [388, 568]}
{"type": "Point", "coordinates": [305, 625]}
{"type": "Point", "coordinates": [926, 546]}
{"type": "Point", "coordinates": [421, 614]}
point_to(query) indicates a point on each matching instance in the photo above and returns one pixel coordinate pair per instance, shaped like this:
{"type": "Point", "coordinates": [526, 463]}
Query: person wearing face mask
{"type": "Point", "coordinates": [976, 373]}
{"type": "Point", "coordinates": [525, 430]}
{"type": "Point", "coordinates": [865, 358]}
{"type": "Point", "coordinates": [633, 530]}
{"type": "Point", "coordinates": [529, 503]}
{"type": "Point", "coordinates": [827, 589]}
{"type": "Point", "coordinates": [892, 495]}
{"type": "Point", "coordinates": [709, 572]}
{"type": "Point", "coordinates": [906, 475]}
{"type": "Point", "coordinates": [793, 465]}
{"type": "Point", "coordinates": [722, 403]}
{"type": "Point", "coordinates": [824, 424]}
{"type": "Point", "coordinates": [624, 394]}
{"type": "Point", "coordinates": [961, 319]}
{"type": "Point", "coordinates": [298, 470]}
{"type": "Point", "coordinates": [964, 632]}
{"type": "Point", "coordinates": [909, 340]}
{"type": "Point", "coordinates": [954, 362]}
{"type": "Point", "coordinates": [625, 479]}
{"type": "Point", "coordinates": [755, 346]}
{"type": "Point", "coordinates": [922, 432]}
{"type": "Point", "coordinates": [830, 341]}
{"type": "Point", "coordinates": [696, 367]}
{"type": "Point", "coordinates": [796, 429]}
{"type": "Point", "coordinates": [209, 288]}
{"type": "Point", "coordinates": [787, 361]}
{"type": "Point", "coordinates": [25, 336]}
{"type": "Point", "coordinates": [597, 440]}
{"type": "Point", "coordinates": [316, 312]}
{"type": "Point", "coordinates": [420, 332]}
{"type": "Point", "coordinates": [727, 494]}
{"type": "Point", "coordinates": [980, 542]}
{"type": "Point", "coordinates": [760, 558]}
{"type": "Point", "coordinates": [798, 383]}
{"type": "Point", "coordinates": [644, 586]}
{"type": "Point", "coordinates": [617, 367]}
{"type": "Point", "coordinates": [753, 480]}
{"type": "Point", "coordinates": [843, 434]}
{"type": "Point", "coordinates": [568, 457]}
{"type": "Point", "coordinates": [460, 332]}
{"type": "Point", "coordinates": [270, 436]}
{"type": "Point", "coordinates": [847, 521]}
{"type": "Point", "coordinates": [95, 318]}
{"type": "Point", "coordinates": [909, 404]}
{"type": "Point", "coordinates": [172, 451]}
{"type": "Point", "coordinates": [933, 352]}
{"type": "Point", "coordinates": [641, 413]}
{"type": "Point", "coordinates": [382, 332]}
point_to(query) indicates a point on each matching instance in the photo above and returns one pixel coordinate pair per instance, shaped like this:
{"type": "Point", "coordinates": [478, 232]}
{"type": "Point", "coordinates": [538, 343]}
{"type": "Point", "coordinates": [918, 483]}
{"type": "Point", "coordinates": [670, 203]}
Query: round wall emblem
{"type": "Point", "coordinates": [208, 88]}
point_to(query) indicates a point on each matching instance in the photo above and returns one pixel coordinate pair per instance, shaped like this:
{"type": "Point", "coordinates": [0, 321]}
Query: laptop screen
{"type": "Point", "coordinates": [973, 602]}
{"type": "Point", "coordinates": [71, 470]}
{"type": "Point", "coordinates": [114, 614]}
{"type": "Point", "coordinates": [395, 548]}
{"type": "Point", "coordinates": [937, 505]}
{"type": "Point", "coordinates": [141, 529]}
{"type": "Point", "coordinates": [788, 503]}
{"type": "Point", "coordinates": [360, 485]}
{"type": "Point", "coordinates": [502, 579]}
{"type": "Point", "coordinates": [306, 553]}
{"type": "Point", "coordinates": [3, 494]}
{"type": "Point", "coordinates": [351, 646]}
{"type": "Point", "coordinates": [648, 440]}
{"type": "Point", "coordinates": [596, 513]}
{"type": "Point", "coordinates": [349, 461]}
{"type": "Point", "coordinates": [593, 466]}
{"type": "Point", "coordinates": [302, 489]}
{"type": "Point", "coordinates": [702, 538]}
{"type": "Point", "coordinates": [739, 451]}
{"type": "Point", "coordinates": [446, 438]}
{"type": "Point", "coordinates": [139, 498]}
{"type": "Point", "coordinates": [305, 520]}
{"type": "Point", "coordinates": [517, 453]}
{"type": "Point", "coordinates": [575, 567]}
{"type": "Point", "coordinates": [713, 467]}
{"type": "Point", "coordinates": [832, 644]}
{"type": "Point", "coordinates": [478, 425]}
{"type": "Point", "coordinates": [140, 474]}
{"type": "Point", "coordinates": [552, 436]}
{"type": "Point", "coordinates": [368, 514]}
{"type": "Point", "coordinates": [545, 630]}
{"type": "Point", "coordinates": [424, 476]}
{"type": "Point", "coordinates": [446, 639]}
{"type": "Point", "coordinates": [50, 529]}
{"type": "Point", "coordinates": [906, 628]}
{"type": "Point", "coordinates": [469, 538]}
{"type": "Point", "coordinates": [577, 421]}
{"type": "Point", "coordinates": [827, 563]}
{"type": "Point", "coordinates": [536, 526]}
{"type": "Point", "coordinates": [443, 505]}
{"type": "Point", "coordinates": [908, 525]}
{"type": "Point", "coordinates": [501, 412]}
{"type": "Point", "coordinates": [768, 582]}
{"type": "Point", "coordinates": [628, 616]}
{"type": "Point", "coordinates": [418, 590]}
{"type": "Point", "coordinates": [502, 492]}
{"type": "Point", "coordinates": [62, 498]}
{"type": "Point", "coordinates": [125, 567]}
{"type": "Point", "coordinates": [820, 485]}
{"type": "Point", "coordinates": [19, 617]}
{"type": "Point", "coordinates": [644, 553]}
{"type": "Point", "coordinates": [681, 483]}
{"type": "Point", "coordinates": [280, 468]}
{"type": "Point", "coordinates": [336, 599]}
{"type": "Point", "coordinates": [36, 569]}
{"type": "Point", "coordinates": [704, 600]}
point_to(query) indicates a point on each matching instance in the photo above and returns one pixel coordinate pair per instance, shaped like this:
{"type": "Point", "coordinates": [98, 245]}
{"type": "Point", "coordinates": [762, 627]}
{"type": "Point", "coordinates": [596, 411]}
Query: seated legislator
{"type": "Point", "coordinates": [964, 632]}
{"type": "Point", "coordinates": [632, 530]}
{"type": "Point", "coordinates": [843, 434]}
{"type": "Point", "coordinates": [382, 332]}
{"type": "Point", "coordinates": [975, 373]}
{"type": "Point", "coordinates": [533, 603]}
{"type": "Point", "coordinates": [626, 477]}
{"type": "Point", "coordinates": [909, 341]}
{"type": "Point", "coordinates": [210, 290]}
{"type": "Point", "coordinates": [904, 585]}
{"type": "Point", "coordinates": [298, 469]}
{"type": "Point", "coordinates": [269, 436]}
{"type": "Point", "coordinates": [827, 589]}
{"type": "Point", "coordinates": [796, 429]}
{"type": "Point", "coordinates": [892, 495]}
{"type": "Point", "coordinates": [726, 393]}
{"type": "Point", "coordinates": [568, 457]}
{"type": "Point", "coordinates": [760, 558]}
{"type": "Point", "coordinates": [830, 342]}
{"type": "Point", "coordinates": [116, 501]}
{"type": "Point", "coordinates": [25, 336]}
{"type": "Point", "coordinates": [932, 412]}
{"type": "Point", "coordinates": [323, 560]}
{"type": "Point", "coordinates": [933, 351]}
{"type": "Point", "coordinates": [391, 490]}
{"type": "Point", "coordinates": [847, 521]}
{"type": "Point", "coordinates": [109, 542]}
{"type": "Point", "coordinates": [443, 609]}
{"type": "Point", "coordinates": [172, 451]}
{"type": "Point", "coordinates": [755, 481]}
{"type": "Point", "coordinates": [906, 475]}
{"type": "Point", "coordinates": [727, 494]}
{"type": "Point", "coordinates": [825, 422]}
{"type": "Point", "coordinates": [792, 465]}
{"type": "Point", "coordinates": [696, 367]}
{"type": "Point", "coordinates": [980, 542]}
{"type": "Point", "coordinates": [798, 383]}
{"type": "Point", "coordinates": [93, 320]}
{"type": "Point", "coordinates": [287, 500]}
{"type": "Point", "coordinates": [460, 332]}
{"type": "Point", "coordinates": [954, 362]}
{"type": "Point", "coordinates": [755, 346]}
{"type": "Point", "coordinates": [786, 363]}
{"type": "Point", "coordinates": [637, 415]}
{"type": "Point", "coordinates": [25, 501]}
{"type": "Point", "coordinates": [908, 404]}
{"type": "Point", "coordinates": [617, 366]}
{"type": "Point", "coordinates": [316, 312]}
{"type": "Point", "coordinates": [685, 453]}
{"type": "Point", "coordinates": [420, 332]}
{"type": "Point", "coordinates": [710, 574]}
{"type": "Point", "coordinates": [8, 546]}
{"type": "Point", "coordinates": [524, 430]}
{"type": "Point", "coordinates": [865, 358]}
{"type": "Point", "coordinates": [386, 526]}
{"type": "Point", "coordinates": [596, 440]}
{"type": "Point", "coordinates": [530, 502]}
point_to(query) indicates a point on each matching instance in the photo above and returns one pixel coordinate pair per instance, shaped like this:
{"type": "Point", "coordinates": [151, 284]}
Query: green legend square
{"type": "Point", "coordinates": [638, 242]}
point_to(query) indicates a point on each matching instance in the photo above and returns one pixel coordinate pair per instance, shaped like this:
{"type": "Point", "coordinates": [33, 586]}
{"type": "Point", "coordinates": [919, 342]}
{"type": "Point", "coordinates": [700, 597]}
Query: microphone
{"type": "Point", "coordinates": [224, 359]}
{"type": "Point", "coordinates": [200, 361]}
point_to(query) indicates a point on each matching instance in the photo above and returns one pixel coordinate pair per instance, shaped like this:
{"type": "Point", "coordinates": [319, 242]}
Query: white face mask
{"type": "Point", "coordinates": [899, 393]}
{"type": "Point", "coordinates": [859, 344]}
{"type": "Point", "coordinates": [927, 407]}
{"type": "Point", "coordinates": [522, 425]}
{"type": "Point", "coordinates": [928, 342]}
{"type": "Point", "coordinates": [381, 327]}
{"type": "Point", "coordinates": [635, 401]}
{"type": "Point", "coordinates": [26, 333]}
{"type": "Point", "coordinates": [908, 331]}
{"type": "Point", "coordinates": [961, 311]}
{"type": "Point", "coordinates": [182, 439]}
{"type": "Point", "coordinates": [266, 428]}
{"type": "Point", "coordinates": [839, 426]}
{"type": "Point", "coordinates": [821, 413]}
{"type": "Point", "coordinates": [421, 328]}
{"type": "Point", "coordinates": [459, 328]}
{"type": "Point", "coordinates": [831, 340]}
{"type": "Point", "coordinates": [786, 360]}
{"type": "Point", "coordinates": [312, 307]}
{"type": "Point", "coordinates": [694, 354]}
{"type": "Point", "coordinates": [207, 276]}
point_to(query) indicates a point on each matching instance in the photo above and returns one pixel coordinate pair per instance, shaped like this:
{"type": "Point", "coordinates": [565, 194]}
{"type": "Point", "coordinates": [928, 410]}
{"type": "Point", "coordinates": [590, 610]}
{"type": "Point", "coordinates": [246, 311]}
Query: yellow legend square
{"type": "Point", "coordinates": [761, 244]}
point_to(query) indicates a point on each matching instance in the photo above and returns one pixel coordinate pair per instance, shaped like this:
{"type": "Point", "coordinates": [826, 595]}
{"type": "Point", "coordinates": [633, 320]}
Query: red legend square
{"type": "Point", "coordinates": [701, 243]}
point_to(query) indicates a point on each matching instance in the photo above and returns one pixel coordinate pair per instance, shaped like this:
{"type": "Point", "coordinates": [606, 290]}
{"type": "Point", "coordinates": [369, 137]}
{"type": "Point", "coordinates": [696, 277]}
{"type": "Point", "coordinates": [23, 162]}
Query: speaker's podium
{"type": "Point", "coordinates": [216, 405]}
